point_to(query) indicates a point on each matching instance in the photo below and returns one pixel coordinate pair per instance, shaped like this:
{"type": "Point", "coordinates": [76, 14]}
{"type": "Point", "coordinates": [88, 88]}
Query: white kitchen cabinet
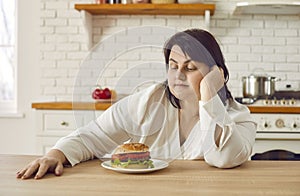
{"type": "Point", "coordinates": [54, 124]}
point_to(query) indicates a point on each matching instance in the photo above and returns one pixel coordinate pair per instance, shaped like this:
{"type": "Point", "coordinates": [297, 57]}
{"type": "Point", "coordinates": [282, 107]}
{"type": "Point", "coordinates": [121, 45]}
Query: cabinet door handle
{"type": "Point", "coordinates": [64, 123]}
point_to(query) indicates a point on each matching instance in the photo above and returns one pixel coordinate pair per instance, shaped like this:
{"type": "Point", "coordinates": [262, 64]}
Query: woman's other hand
{"type": "Point", "coordinates": [52, 162]}
{"type": "Point", "coordinates": [211, 83]}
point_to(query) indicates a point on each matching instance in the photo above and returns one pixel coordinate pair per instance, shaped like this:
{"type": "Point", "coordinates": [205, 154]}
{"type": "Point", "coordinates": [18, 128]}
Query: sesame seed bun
{"type": "Point", "coordinates": [131, 147]}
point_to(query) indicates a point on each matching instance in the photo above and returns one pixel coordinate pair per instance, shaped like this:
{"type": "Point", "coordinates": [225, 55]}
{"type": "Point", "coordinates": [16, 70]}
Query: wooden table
{"type": "Point", "coordinates": [180, 178]}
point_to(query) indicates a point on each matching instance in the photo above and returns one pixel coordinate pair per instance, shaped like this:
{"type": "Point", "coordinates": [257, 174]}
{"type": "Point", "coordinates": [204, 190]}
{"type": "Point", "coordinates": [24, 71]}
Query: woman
{"type": "Point", "coordinates": [190, 116]}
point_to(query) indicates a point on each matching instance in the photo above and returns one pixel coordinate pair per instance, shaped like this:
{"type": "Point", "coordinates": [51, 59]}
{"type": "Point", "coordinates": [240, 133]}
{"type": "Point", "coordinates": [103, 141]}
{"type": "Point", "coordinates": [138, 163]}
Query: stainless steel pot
{"type": "Point", "coordinates": [258, 86]}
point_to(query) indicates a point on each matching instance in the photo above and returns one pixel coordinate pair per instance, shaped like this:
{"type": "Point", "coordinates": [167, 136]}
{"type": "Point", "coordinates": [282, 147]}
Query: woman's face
{"type": "Point", "coordinates": [185, 75]}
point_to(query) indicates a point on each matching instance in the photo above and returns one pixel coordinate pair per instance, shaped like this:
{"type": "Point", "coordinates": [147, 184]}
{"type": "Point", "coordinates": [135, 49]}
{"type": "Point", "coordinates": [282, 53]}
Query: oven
{"type": "Point", "coordinates": [277, 132]}
{"type": "Point", "coordinates": [278, 128]}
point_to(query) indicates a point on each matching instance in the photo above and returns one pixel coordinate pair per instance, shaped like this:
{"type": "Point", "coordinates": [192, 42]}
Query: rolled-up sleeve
{"type": "Point", "coordinates": [73, 148]}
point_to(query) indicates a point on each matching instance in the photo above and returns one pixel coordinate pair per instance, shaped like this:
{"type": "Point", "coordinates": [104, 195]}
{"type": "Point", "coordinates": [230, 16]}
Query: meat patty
{"type": "Point", "coordinates": [134, 156]}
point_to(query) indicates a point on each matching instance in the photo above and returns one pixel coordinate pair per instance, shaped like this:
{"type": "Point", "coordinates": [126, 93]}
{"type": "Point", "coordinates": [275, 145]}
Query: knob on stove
{"type": "Point", "coordinates": [266, 125]}
{"type": "Point", "coordinates": [292, 101]}
{"type": "Point", "coordinates": [279, 123]}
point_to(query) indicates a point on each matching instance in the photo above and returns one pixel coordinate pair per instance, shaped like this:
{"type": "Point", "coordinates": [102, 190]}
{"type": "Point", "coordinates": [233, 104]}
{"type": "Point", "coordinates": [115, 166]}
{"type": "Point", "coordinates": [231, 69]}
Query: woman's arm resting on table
{"type": "Point", "coordinates": [53, 162]}
{"type": "Point", "coordinates": [235, 149]}
{"type": "Point", "coordinates": [230, 133]}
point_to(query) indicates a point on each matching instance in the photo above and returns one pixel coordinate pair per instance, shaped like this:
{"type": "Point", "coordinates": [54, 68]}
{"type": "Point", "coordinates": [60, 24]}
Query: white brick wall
{"type": "Point", "coordinates": [271, 42]}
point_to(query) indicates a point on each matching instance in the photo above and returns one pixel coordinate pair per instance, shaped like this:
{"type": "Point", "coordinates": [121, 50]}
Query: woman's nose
{"type": "Point", "coordinates": [180, 75]}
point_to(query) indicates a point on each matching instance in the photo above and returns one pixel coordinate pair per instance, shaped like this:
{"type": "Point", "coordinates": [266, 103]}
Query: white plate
{"type": "Point", "coordinates": [158, 165]}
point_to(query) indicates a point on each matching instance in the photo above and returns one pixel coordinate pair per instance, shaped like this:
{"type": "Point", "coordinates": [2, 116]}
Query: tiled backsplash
{"type": "Point", "coordinates": [127, 53]}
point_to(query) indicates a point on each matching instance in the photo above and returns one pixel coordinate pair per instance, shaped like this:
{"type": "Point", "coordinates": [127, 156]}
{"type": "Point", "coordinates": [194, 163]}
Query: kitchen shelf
{"type": "Point", "coordinates": [270, 7]}
{"type": "Point", "coordinates": [89, 10]}
{"type": "Point", "coordinates": [146, 9]}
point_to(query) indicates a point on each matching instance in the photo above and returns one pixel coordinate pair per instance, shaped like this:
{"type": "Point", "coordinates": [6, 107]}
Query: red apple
{"type": "Point", "coordinates": [106, 94]}
{"type": "Point", "coordinates": [100, 93]}
{"type": "Point", "coordinates": [96, 93]}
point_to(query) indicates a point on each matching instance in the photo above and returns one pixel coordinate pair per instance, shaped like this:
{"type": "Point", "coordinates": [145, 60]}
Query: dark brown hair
{"type": "Point", "coordinates": [201, 46]}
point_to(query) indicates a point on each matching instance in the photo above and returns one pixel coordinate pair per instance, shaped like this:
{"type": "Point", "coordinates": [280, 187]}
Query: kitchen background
{"type": "Point", "coordinates": [56, 45]}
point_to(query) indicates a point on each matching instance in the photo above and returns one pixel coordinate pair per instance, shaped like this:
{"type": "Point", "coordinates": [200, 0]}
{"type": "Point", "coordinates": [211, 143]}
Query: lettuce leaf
{"type": "Point", "coordinates": [117, 162]}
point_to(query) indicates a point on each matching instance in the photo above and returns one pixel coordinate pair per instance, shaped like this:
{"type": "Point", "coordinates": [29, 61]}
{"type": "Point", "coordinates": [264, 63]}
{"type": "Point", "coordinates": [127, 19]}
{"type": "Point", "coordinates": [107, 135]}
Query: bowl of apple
{"type": "Point", "coordinates": [104, 94]}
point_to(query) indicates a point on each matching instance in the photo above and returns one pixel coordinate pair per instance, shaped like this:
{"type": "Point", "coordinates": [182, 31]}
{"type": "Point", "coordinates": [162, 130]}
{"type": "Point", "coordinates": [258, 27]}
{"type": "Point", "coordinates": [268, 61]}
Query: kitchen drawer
{"type": "Point", "coordinates": [51, 125]}
{"type": "Point", "coordinates": [62, 122]}
{"type": "Point", "coordinates": [57, 123]}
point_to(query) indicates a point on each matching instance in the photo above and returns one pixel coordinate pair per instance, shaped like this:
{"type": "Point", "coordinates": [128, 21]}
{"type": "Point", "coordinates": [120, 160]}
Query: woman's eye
{"type": "Point", "coordinates": [173, 66]}
{"type": "Point", "coordinates": [190, 67]}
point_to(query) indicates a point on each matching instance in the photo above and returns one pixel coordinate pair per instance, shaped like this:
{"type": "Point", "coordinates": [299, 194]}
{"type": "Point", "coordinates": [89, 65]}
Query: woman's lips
{"type": "Point", "coordinates": [181, 85]}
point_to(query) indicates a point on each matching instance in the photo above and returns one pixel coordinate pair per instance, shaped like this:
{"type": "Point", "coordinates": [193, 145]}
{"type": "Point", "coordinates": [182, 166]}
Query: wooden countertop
{"type": "Point", "coordinates": [180, 178]}
{"type": "Point", "coordinates": [64, 105]}
{"type": "Point", "coordinates": [107, 104]}
{"type": "Point", "coordinates": [274, 109]}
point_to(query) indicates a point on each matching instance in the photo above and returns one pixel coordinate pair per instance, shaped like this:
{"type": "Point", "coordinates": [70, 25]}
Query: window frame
{"type": "Point", "coordinates": [10, 106]}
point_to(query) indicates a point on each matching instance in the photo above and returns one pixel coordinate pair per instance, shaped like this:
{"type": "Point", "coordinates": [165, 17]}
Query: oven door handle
{"type": "Point", "coordinates": [276, 155]}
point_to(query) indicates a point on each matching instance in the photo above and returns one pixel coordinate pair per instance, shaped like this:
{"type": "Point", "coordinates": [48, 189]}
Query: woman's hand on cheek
{"type": "Point", "coordinates": [211, 83]}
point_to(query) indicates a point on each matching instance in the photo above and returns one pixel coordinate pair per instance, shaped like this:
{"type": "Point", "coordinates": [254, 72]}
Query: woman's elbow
{"type": "Point", "coordinates": [228, 161]}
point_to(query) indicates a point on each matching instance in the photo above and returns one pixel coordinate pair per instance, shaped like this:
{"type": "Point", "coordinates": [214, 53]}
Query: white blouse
{"type": "Point", "coordinates": [148, 117]}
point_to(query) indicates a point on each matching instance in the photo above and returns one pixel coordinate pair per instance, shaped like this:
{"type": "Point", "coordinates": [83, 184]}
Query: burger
{"type": "Point", "coordinates": [132, 156]}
